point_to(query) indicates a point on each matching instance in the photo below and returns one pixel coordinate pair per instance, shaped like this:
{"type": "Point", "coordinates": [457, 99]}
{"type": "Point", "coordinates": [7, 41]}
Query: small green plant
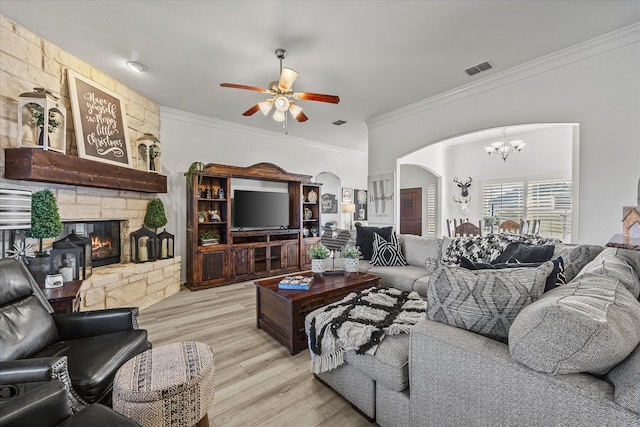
{"type": "Point", "coordinates": [202, 215]}
{"type": "Point", "coordinates": [352, 252]}
{"type": "Point", "coordinates": [357, 224]}
{"type": "Point", "coordinates": [318, 252]}
{"type": "Point", "coordinates": [155, 216]}
{"type": "Point", "coordinates": [195, 167]}
{"type": "Point", "coordinates": [37, 117]}
{"type": "Point", "coordinates": [208, 235]}
{"type": "Point", "coordinates": [45, 219]}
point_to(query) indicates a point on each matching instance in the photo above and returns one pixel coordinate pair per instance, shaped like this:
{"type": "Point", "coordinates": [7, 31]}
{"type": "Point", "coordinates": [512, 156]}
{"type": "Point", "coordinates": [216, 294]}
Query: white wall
{"type": "Point", "coordinates": [186, 138]}
{"type": "Point", "coordinates": [595, 84]}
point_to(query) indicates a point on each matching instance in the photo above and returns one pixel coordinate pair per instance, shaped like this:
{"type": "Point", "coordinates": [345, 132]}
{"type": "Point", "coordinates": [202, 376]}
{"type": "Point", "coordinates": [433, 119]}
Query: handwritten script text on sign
{"type": "Point", "coordinates": [103, 114]}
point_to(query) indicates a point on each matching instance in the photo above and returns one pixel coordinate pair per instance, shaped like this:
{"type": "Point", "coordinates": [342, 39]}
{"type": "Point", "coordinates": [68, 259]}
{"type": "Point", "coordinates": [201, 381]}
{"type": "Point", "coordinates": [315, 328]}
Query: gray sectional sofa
{"type": "Point", "coordinates": [571, 359]}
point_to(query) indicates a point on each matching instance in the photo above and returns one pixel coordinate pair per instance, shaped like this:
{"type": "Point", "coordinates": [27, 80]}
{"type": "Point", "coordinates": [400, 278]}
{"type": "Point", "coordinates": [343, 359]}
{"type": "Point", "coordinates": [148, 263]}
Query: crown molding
{"type": "Point", "coordinates": [593, 47]}
{"type": "Point", "coordinates": [249, 131]}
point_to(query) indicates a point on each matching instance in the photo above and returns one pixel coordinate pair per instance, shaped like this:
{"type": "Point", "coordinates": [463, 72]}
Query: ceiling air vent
{"type": "Point", "coordinates": [339, 122]}
{"type": "Point", "coordinates": [483, 66]}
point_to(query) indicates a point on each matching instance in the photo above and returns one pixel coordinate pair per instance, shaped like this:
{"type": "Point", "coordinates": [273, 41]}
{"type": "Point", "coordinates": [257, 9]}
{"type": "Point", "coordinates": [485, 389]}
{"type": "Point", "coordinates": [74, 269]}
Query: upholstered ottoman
{"type": "Point", "coordinates": [171, 385]}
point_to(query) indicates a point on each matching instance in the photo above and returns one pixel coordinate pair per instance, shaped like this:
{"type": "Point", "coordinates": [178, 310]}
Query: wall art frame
{"type": "Point", "coordinates": [360, 199]}
{"type": "Point", "coordinates": [100, 122]}
{"type": "Point", "coordinates": [347, 195]}
{"type": "Point", "coordinates": [381, 203]}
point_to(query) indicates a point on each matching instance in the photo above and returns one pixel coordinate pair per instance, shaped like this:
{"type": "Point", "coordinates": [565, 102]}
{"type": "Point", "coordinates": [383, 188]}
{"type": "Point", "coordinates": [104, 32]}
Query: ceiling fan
{"type": "Point", "coordinates": [282, 95]}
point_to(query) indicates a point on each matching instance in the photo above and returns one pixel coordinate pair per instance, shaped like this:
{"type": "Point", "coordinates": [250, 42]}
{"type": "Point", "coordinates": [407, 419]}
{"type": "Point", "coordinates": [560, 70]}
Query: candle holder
{"type": "Point", "coordinates": [166, 240]}
{"type": "Point", "coordinates": [144, 245]}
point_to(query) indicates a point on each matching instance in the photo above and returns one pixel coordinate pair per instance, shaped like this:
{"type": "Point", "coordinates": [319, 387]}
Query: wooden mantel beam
{"type": "Point", "coordinates": [35, 164]}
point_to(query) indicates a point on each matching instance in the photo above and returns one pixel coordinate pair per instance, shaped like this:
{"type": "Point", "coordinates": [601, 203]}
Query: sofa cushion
{"type": "Point", "coordinates": [417, 249]}
{"type": "Point", "coordinates": [575, 257]}
{"type": "Point", "coordinates": [609, 263]}
{"type": "Point", "coordinates": [402, 277]}
{"type": "Point", "coordinates": [588, 325]}
{"type": "Point", "coordinates": [625, 378]}
{"type": "Point", "coordinates": [483, 301]}
{"type": "Point", "coordinates": [487, 248]}
{"type": "Point", "coordinates": [364, 238]}
{"type": "Point", "coordinates": [389, 365]}
{"type": "Point", "coordinates": [387, 253]}
{"type": "Point", "coordinates": [94, 361]}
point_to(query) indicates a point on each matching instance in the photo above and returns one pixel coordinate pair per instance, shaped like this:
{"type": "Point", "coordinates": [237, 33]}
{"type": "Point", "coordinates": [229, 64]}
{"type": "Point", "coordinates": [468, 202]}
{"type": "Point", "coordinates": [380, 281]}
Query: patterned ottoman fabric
{"type": "Point", "coordinates": [171, 385]}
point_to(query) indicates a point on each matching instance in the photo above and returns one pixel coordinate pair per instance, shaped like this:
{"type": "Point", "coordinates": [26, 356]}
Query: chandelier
{"type": "Point", "coordinates": [505, 147]}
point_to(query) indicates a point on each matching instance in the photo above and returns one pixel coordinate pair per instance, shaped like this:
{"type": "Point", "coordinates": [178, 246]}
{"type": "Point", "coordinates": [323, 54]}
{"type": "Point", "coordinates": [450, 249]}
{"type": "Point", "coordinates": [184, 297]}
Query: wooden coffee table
{"type": "Point", "coordinates": [281, 313]}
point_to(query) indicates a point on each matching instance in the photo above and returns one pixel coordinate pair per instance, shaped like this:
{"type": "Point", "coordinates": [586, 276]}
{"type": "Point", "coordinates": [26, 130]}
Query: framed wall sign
{"type": "Point", "coordinates": [100, 122]}
{"type": "Point", "coordinates": [381, 203]}
{"type": "Point", "coordinates": [347, 195]}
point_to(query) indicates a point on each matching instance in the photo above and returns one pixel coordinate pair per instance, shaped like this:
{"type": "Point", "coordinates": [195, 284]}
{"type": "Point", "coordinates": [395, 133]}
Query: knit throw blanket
{"type": "Point", "coordinates": [359, 322]}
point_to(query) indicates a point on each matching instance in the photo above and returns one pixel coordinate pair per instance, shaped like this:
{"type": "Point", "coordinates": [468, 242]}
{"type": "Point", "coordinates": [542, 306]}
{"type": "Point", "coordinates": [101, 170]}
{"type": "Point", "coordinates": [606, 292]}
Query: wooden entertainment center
{"type": "Point", "coordinates": [251, 254]}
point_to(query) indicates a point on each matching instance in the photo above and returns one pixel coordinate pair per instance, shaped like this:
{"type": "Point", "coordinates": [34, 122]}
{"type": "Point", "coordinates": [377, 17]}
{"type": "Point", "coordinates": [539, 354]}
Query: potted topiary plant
{"type": "Point", "coordinates": [318, 255]}
{"type": "Point", "coordinates": [45, 224]}
{"type": "Point", "coordinates": [351, 256]}
{"type": "Point", "coordinates": [155, 216]}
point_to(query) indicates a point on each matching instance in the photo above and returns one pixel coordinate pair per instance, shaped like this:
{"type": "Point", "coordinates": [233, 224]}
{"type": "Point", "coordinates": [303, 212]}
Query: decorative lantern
{"type": "Point", "coordinates": [148, 153]}
{"type": "Point", "coordinates": [166, 244]}
{"type": "Point", "coordinates": [42, 121]}
{"type": "Point", "coordinates": [144, 245]}
{"type": "Point", "coordinates": [66, 262]}
{"type": "Point", "coordinates": [74, 240]}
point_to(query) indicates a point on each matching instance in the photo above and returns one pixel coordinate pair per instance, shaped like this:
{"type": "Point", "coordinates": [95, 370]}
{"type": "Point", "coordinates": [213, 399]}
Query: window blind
{"type": "Point", "coordinates": [550, 202]}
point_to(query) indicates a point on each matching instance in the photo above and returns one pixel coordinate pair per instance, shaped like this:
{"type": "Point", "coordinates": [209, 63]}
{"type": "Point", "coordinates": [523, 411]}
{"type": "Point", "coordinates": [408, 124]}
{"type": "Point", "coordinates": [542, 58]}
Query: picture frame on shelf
{"type": "Point", "coordinates": [347, 195]}
{"type": "Point", "coordinates": [100, 122]}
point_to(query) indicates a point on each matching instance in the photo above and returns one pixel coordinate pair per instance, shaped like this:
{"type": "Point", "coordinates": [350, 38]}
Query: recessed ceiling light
{"type": "Point", "coordinates": [137, 66]}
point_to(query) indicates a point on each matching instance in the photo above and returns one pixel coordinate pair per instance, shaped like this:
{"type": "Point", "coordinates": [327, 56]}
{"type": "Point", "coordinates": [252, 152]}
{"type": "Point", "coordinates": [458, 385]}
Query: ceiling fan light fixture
{"type": "Point", "coordinates": [138, 67]}
{"type": "Point", "coordinates": [279, 116]}
{"type": "Point", "coordinates": [282, 103]}
{"type": "Point", "coordinates": [287, 77]}
{"type": "Point", "coordinates": [265, 106]}
{"type": "Point", "coordinates": [295, 110]}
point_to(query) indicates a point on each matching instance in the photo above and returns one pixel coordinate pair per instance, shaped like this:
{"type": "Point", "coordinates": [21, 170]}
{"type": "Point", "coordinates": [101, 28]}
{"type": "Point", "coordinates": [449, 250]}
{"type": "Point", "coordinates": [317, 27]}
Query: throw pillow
{"type": "Point", "coordinates": [555, 278]}
{"type": "Point", "coordinates": [575, 258]}
{"type": "Point", "coordinates": [588, 325]}
{"type": "Point", "coordinates": [523, 253]}
{"type": "Point", "coordinates": [483, 301]}
{"type": "Point", "coordinates": [387, 253]}
{"type": "Point", "coordinates": [364, 238]}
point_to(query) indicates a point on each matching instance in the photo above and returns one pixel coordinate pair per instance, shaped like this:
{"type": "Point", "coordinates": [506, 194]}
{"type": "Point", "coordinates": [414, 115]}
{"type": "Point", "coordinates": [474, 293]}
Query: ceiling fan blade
{"type": "Point", "coordinates": [308, 96]}
{"type": "Point", "coordinates": [287, 77]}
{"type": "Point", "coordinates": [235, 86]}
{"type": "Point", "coordinates": [301, 117]}
{"type": "Point", "coordinates": [251, 111]}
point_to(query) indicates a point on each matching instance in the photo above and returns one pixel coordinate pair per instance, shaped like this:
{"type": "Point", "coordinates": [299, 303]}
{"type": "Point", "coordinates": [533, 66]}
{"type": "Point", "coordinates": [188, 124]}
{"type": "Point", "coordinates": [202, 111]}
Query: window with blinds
{"type": "Point", "coordinates": [550, 202]}
{"type": "Point", "coordinates": [546, 200]}
{"type": "Point", "coordinates": [431, 209]}
{"type": "Point", "coordinates": [502, 201]}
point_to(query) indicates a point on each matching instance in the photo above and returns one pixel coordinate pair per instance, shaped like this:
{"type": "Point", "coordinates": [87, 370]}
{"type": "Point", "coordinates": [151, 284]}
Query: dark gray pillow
{"type": "Point", "coordinates": [519, 252]}
{"type": "Point", "coordinates": [588, 325]}
{"type": "Point", "coordinates": [364, 238]}
{"type": "Point", "coordinates": [483, 301]}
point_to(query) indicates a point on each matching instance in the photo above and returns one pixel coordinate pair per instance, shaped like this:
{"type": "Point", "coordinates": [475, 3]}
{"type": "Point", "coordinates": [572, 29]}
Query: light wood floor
{"type": "Point", "coordinates": [257, 382]}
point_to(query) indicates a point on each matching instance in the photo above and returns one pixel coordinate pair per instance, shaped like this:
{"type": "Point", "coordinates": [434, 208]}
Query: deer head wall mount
{"type": "Point", "coordinates": [464, 192]}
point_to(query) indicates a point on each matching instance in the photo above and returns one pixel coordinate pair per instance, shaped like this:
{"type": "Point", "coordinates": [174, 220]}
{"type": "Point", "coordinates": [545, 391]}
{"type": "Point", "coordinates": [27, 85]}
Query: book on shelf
{"type": "Point", "coordinates": [296, 282]}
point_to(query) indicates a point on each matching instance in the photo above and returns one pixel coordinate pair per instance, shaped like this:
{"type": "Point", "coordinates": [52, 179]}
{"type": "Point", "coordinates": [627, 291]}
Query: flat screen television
{"type": "Point", "coordinates": [260, 209]}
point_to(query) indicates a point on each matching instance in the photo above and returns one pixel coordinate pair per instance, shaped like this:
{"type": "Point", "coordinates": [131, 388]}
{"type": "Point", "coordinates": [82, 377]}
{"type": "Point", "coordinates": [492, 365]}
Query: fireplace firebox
{"type": "Point", "coordinates": [104, 236]}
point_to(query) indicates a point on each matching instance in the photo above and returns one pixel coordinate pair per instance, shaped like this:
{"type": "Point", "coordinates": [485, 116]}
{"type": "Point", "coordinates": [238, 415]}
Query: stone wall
{"type": "Point", "coordinates": [28, 61]}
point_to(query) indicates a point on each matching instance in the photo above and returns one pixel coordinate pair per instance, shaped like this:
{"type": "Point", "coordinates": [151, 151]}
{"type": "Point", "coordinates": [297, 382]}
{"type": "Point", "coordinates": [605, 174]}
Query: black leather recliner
{"type": "Point", "coordinates": [47, 406]}
{"type": "Point", "coordinates": [83, 350]}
